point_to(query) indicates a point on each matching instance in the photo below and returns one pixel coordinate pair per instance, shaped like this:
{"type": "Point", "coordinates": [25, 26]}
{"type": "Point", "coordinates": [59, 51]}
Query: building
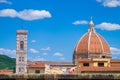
{"type": "Point", "coordinates": [91, 55]}
{"type": "Point", "coordinates": [6, 71]}
{"type": "Point", "coordinates": [48, 67]}
{"type": "Point", "coordinates": [21, 52]}
{"type": "Point", "coordinates": [98, 65]}
{"type": "Point", "coordinates": [91, 45]}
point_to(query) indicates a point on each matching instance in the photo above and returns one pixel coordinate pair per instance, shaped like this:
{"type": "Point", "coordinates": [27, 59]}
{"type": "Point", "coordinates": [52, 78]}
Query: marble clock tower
{"type": "Point", "coordinates": [21, 51]}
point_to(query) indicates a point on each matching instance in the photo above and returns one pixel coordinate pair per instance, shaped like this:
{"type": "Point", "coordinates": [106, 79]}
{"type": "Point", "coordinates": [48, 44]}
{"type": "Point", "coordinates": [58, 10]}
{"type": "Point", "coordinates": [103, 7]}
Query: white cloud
{"type": "Point", "coordinates": [78, 22]}
{"type": "Point", "coordinates": [27, 14]}
{"type": "Point", "coordinates": [5, 1]}
{"type": "Point", "coordinates": [115, 50]}
{"type": "Point", "coordinates": [3, 50]}
{"type": "Point", "coordinates": [33, 50]}
{"type": "Point", "coordinates": [58, 54]}
{"type": "Point", "coordinates": [33, 41]}
{"type": "Point", "coordinates": [38, 58]}
{"type": "Point", "coordinates": [109, 3]}
{"type": "Point", "coordinates": [33, 14]}
{"type": "Point", "coordinates": [8, 52]}
{"type": "Point", "coordinates": [46, 49]}
{"type": "Point", "coordinates": [8, 13]}
{"type": "Point", "coordinates": [108, 26]}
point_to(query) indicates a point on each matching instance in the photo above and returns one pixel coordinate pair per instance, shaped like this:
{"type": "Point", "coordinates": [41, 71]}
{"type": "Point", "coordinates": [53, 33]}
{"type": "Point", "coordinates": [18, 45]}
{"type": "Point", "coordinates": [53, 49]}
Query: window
{"type": "Point", "coordinates": [101, 64]}
{"type": "Point", "coordinates": [19, 69]}
{"type": "Point", "coordinates": [86, 64]}
{"type": "Point", "coordinates": [22, 58]}
{"type": "Point", "coordinates": [37, 71]}
{"type": "Point", "coordinates": [21, 45]}
{"type": "Point", "coordinates": [19, 58]}
{"type": "Point", "coordinates": [103, 56]}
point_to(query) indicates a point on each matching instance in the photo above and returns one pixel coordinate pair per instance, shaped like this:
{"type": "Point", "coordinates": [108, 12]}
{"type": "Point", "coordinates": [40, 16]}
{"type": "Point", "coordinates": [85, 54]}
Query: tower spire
{"type": "Point", "coordinates": [91, 25]}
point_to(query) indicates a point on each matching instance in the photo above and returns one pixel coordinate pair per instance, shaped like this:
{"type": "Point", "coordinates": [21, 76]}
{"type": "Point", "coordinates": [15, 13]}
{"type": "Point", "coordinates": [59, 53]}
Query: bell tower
{"type": "Point", "coordinates": [21, 51]}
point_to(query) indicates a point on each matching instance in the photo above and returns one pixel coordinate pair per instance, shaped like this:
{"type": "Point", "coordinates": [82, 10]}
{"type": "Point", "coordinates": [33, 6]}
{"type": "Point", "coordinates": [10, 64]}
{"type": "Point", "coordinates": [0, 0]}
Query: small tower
{"type": "Point", "coordinates": [21, 52]}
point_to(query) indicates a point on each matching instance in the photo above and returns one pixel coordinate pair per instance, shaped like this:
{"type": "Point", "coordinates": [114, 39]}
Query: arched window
{"type": "Point", "coordinates": [21, 69]}
{"type": "Point", "coordinates": [21, 45]}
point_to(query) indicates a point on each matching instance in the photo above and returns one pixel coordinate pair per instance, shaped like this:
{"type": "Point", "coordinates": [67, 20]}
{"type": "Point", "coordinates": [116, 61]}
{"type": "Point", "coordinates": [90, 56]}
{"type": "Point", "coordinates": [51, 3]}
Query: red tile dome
{"type": "Point", "coordinates": [92, 45]}
{"type": "Point", "coordinates": [92, 42]}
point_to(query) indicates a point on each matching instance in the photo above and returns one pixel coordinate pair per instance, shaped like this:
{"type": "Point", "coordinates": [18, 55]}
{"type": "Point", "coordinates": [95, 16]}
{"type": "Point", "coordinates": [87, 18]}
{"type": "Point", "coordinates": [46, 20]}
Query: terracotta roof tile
{"type": "Point", "coordinates": [41, 64]}
{"type": "Point", "coordinates": [93, 42]}
{"type": "Point", "coordinates": [6, 71]}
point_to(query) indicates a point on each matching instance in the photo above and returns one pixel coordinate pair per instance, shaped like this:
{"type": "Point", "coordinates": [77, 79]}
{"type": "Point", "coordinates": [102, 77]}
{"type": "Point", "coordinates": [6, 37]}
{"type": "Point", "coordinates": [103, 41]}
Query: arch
{"type": "Point", "coordinates": [21, 45]}
{"type": "Point", "coordinates": [21, 69]}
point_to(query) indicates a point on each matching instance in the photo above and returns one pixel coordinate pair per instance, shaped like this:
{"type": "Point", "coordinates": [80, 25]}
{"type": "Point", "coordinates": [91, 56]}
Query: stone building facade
{"type": "Point", "coordinates": [21, 52]}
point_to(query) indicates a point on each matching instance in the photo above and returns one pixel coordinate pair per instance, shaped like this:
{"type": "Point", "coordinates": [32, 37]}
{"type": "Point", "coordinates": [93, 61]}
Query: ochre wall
{"type": "Point", "coordinates": [94, 62]}
{"type": "Point", "coordinates": [32, 70]}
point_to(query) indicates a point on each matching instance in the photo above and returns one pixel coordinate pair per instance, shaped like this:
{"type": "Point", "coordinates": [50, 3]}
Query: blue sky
{"type": "Point", "coordinates": [55, 26]}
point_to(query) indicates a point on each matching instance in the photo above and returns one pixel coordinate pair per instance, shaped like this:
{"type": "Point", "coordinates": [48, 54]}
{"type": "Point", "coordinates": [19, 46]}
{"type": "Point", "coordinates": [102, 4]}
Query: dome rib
{"type": "Point", "coordinates": [106, 44]}
{"type": "Point", "coordinates": [100, 42]}
{"type": "Point", "coordinates": [89, 41]}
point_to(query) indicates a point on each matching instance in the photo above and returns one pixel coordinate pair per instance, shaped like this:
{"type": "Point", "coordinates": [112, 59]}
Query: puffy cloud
{"type": "Point", "coordinates": [8, 13]}
{"type": "Point", "coordinates": [8, 52]}
{"type": "Point", "coordinates": [108, 26]}
{"type": "Point", "coordinates": [115, 50]}
{"type": "Point", "coordinates": [33, 50]}
{"type": "Point", "coordinates": [33, 14]}
{"type": "Point", "coordinates": [58, 54]}
{"type": "Point", "coordinates": [78, 22]}
{"type": "Point", "coordinates": [3, 50]}
{"type": "Point", "coordinates": [5, 1]}
{"type": "Point", "coordinates": [27, 14]}
{"type": "Point", "coordinates": [109, 3]}
{"type": "Point", "coordinates": [46, 49]}
{"type": "Point", "coordinates": [33, 41]}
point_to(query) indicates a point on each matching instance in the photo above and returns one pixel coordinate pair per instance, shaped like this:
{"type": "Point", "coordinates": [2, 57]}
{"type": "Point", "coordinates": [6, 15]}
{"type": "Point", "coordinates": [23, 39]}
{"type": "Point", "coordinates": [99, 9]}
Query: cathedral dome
{"type": "Point", "coordinates": [92, 45]}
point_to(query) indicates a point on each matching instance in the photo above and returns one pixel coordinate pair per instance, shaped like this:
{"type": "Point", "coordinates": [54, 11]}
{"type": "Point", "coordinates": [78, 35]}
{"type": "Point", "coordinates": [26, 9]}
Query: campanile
{"type": "Point", "coordinates": [21, 51]}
